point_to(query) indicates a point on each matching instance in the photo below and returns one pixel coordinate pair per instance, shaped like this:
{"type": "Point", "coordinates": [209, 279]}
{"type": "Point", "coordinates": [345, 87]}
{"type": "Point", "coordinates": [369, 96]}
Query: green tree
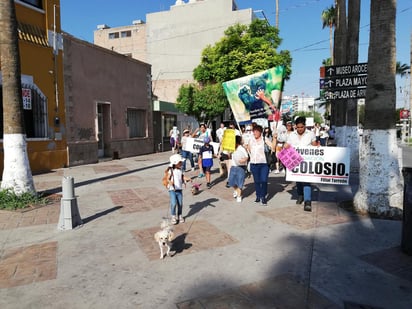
{"type": "Point", "coordinates": [380, 190]}
{"type": "Point", "coordinates": [244, 50]}
{"type": "Point", "coordinates": [17, 175]}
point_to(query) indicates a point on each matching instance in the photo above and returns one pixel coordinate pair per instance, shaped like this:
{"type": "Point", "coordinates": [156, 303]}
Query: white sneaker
{"type": "Point", "coordinates": [234, 194]}
{"type": "Point", "coordinates": [239, 199]}
{"type": "Point", "coordinates": [276, 171]}
{"type": "Point", "coordinates": [192, 169]}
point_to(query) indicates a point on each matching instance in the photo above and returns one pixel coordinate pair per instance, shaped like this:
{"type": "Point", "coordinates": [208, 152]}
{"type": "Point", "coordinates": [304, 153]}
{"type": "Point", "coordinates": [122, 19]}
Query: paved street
{"type": "Point", "coordinates": [227, 254]}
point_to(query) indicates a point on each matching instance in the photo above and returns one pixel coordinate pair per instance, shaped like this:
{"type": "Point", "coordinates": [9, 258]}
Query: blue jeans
{"type": "Point", "coordinates": [176, 199]}
{"type": "Point", "coordinates": [187, 155]}
{"type": "Point", "coordinates": [260, 172]}
{"type": "Point", "coordinates": [304, 189]}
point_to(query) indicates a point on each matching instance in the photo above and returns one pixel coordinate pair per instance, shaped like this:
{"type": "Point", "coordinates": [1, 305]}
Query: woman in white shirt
{"type": "Point", "coordinates": [258, 165]}
{"type": "Point", "coordinates": [238, 169]}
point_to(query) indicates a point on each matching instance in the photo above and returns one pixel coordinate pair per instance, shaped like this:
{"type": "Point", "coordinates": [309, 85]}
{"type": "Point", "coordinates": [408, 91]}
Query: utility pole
{"type": "Point", "coordinates": [277, 14]}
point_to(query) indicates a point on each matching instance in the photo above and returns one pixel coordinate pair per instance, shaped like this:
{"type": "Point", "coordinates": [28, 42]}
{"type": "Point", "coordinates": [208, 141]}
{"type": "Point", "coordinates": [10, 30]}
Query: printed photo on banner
{"type": "Point", "coordinates": [255, 97]}
{"type": "Point", "coordinates": [328, 165]}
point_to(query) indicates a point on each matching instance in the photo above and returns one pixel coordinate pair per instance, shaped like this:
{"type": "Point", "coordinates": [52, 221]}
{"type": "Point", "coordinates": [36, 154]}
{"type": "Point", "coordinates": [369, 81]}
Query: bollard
{"type": "Point", "coordinates": [406, 243]}
{"type": "Point", "coordinates": [69, 212]}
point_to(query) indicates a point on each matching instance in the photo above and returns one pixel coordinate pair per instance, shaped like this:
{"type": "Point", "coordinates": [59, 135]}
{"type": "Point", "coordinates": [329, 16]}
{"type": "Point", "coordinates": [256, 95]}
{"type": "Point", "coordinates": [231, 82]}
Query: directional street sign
{"type": "Point", "coordinates": [346, 70]}
{"type": "Point", "coordinates": [344, 82]}
{"type": "Point", "coordinates": [355, 93]}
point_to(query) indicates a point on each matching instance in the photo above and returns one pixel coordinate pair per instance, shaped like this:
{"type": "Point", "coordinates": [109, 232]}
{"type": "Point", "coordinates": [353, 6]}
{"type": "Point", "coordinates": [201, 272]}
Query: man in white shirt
{"type": "Point", "coordinates": [303, 138]}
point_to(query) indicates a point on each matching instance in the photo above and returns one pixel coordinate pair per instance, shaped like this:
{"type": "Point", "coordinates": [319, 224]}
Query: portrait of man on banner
{"type": "Point", "coordinates": [254, 97]}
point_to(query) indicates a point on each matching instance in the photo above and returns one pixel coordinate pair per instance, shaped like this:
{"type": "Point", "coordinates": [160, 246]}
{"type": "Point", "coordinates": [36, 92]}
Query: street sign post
{"type": "Point", "coordinates": [346, 81]}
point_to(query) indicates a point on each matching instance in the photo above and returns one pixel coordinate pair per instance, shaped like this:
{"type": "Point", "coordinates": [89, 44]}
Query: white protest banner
{"type": "Point", "coordinates": [193, 144]}
{"type": "Point", "coordinates": [328, 165]}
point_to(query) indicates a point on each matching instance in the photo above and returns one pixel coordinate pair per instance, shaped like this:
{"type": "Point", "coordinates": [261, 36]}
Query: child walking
{"type": "Point", "coordinates": [206, 155]}
{"type": "Point", "coordinates": [175, 179]}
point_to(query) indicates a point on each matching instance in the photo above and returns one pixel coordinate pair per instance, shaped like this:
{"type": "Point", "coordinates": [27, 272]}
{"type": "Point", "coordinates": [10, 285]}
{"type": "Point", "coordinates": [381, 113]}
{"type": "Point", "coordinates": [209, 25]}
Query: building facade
{"type": "Point", "coordinates": [174, 42]}
{"type": "Point", "coordinates": [108, 103]}
{"type": "Point", "coordinates": [42, 84]}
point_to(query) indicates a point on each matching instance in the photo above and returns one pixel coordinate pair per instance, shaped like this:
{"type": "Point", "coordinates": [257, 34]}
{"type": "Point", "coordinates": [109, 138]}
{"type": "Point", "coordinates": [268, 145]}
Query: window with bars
{"type": "Point", "coordinates": [34, 112]}
{"type": "Point", "coordinates": [136, 121]}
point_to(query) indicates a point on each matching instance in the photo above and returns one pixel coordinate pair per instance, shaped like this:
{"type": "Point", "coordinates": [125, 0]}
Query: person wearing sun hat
{"type": "Point", "coordinates": [175, 181]}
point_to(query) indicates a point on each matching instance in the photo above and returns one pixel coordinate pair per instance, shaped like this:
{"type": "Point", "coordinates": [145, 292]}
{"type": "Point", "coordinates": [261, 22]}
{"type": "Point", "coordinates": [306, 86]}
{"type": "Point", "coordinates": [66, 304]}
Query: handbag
{"type": "Point", "coordinates": [269, 158]}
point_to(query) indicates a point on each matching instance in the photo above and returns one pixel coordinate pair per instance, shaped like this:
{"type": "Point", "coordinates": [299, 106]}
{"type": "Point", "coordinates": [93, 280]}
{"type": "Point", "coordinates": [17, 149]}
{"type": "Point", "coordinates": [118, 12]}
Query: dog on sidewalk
{"type": "Point", "coordinates": [195, 188]}
{"type": "Point", "coordinates": [164, 238]}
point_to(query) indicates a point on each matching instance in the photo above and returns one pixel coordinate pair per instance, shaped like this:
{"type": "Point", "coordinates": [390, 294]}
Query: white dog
{"type": "Point", "coordinates": [164, 238]}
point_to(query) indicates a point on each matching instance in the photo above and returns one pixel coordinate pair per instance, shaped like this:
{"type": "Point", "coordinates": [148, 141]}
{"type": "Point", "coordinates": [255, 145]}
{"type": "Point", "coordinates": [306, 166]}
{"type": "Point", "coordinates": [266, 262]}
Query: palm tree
{"type": "Point", "coordinates": [329, 20]}
{"type": "Point", "coordinates": [380, 191]}
{"type": "Point", "coordinates": [402, 69]}
{"type": "Point", "coordinates": [17, 173]}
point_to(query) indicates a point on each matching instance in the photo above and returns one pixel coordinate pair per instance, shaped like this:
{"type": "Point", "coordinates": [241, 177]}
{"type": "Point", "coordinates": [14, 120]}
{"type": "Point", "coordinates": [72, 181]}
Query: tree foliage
{"type": "Point", "coordinates": [244, 50]}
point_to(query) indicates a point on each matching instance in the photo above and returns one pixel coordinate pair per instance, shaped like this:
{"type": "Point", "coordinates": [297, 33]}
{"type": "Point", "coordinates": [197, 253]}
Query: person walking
{"type": "Point", "coordinates": [258, 165]}
{"type": "Point", "coordinates": [206, 154]}
{"type": "Point", "coordinates": [174, 139]}
{"type": "Point", "coordinates": [301, 137]}
{"type": "Point", "coordinates": [201, 133]}
{"type": "Point", "coordinates": [186, 153]}
{"type": "Point", "coordinates": [175, 179]}
{"type": "Point", "coordinates": [238, 167]}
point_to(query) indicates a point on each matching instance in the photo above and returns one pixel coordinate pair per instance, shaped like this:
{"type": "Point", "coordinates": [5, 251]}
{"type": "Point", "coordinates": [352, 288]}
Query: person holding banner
{"type": "Point", "coordinates": [258, 164]}
{"type": "Point", "coordinates": [301, 137]}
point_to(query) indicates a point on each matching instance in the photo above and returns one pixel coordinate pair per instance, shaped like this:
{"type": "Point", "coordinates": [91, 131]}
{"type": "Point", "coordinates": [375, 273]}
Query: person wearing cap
{"type": "Point", "coordinates": [175, 181]}
{"type": "Point", "coordinates": [186, 154]}
{"type": "Point", "coordinates": [206, 155]}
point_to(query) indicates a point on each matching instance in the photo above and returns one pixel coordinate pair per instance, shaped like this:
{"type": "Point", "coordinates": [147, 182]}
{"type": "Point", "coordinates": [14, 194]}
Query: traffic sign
{"type": "Point", "coordinates": [345, 70]}
{"type": "Point", "coordinates": [343, 82]}
{"type": "Point", "coordinates": [404, 114]}
{"type": "Point", "coordinates": [338, 94]}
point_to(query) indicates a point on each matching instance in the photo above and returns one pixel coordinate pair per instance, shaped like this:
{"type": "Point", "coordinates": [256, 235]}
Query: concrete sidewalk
{"type": "Point", "coordinates": [228, 254]}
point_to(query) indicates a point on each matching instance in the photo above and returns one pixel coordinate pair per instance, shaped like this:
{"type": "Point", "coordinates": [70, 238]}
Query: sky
{"type": "Point", "coordinates": [300, 28]}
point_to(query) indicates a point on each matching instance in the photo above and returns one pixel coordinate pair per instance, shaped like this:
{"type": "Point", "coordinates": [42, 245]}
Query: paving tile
{"type": "Point", "coordinates": [284, 291]}
{"type": "Point", "coordinates": [131, 179]}
{"type": "Point", "coordinates": [25, 265]}
{"type": "Point", "coordinates": [189, 238]}
{"type": "Point", "coordinates": [109, 168]}
{"type": "Point", "coordinates": [322, 214]}
{"type": "Point", "coordinates": [139, 200]}
{"type": "Point", "coordinates": [48, 214]}
{"type": "Point", "coordinates": [391, 260]}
